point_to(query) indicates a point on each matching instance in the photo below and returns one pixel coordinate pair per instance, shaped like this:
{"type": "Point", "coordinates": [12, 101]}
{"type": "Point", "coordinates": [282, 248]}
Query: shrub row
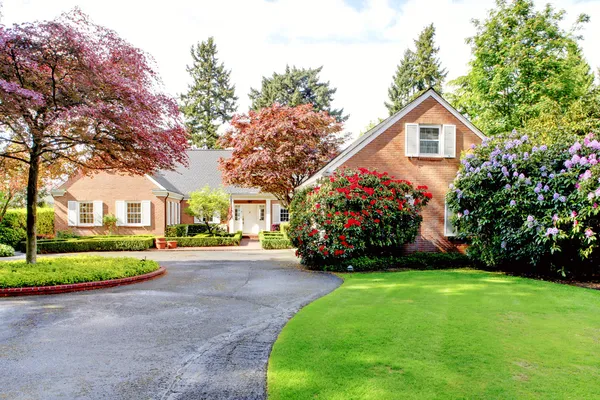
{"type": "Point", "coordinates": [419, 261]}
{"type": "Point", "coordinates": [274, 240]}
{"type": "Point", "coordinates": [14, 224]}
{"type": "Point", "coordinates": [94, 243]}
{"type": "Point", "coordinates": [189, 230]}
{"type": "Point", "coordinates": [207, 241]}
{"type": "Point", "coordinates": [6, 250]}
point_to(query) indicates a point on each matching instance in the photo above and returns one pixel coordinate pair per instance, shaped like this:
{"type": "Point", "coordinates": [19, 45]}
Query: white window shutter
{"type": "Point", "coordinates": [449, 140]}
{"type": "Point", "coordinates": [73, 210]}
{"type": "Point", "coordinates": [120, 211]}
{"type": "Point", "coordinates": [216, 217]}
{"type": "Point", "coordinates": [146, 217]}
{"type": "Point", "coordinates": [168, 213]}
{"type": "Point", "coordinates": [98, 213]}
{"type": "Point", "coordinates": [412, 140]}
{"type": "Point", "coordinates": [276, 213]}
{"type": "Point", "coordinates": [449, 229]}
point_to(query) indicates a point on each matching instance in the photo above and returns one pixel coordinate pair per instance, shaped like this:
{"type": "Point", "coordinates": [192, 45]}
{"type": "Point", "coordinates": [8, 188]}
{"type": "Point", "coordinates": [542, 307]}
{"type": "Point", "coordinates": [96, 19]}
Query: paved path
{"type": "Point", "coordinates": [203, 331]}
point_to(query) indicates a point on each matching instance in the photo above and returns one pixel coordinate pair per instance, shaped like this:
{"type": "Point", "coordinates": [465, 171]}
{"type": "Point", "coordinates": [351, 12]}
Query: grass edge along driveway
{"type": "Point", "coordinates": [441, 334]}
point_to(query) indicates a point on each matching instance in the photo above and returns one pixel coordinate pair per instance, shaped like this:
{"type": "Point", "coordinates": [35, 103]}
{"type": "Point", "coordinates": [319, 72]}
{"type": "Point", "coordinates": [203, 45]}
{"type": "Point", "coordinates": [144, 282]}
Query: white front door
{"type": "Point", "coordinates": [250, 216]}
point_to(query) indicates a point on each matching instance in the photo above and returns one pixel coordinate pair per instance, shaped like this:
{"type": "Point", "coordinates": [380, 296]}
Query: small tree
{"type": "Point", "coordinates": [74, 92]}
{"type": "Point", "coordinates": [355, 213]}
{"type": "Point", "coordinates": [278, 147]}
{"type": "Point", "coordinates": [110, 222]}
{"type": "Point", "coordinates": [206, 202]}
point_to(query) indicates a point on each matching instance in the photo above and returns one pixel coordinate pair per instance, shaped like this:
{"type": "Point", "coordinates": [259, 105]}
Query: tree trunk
{"type": "Point", "coordinates": [208, 227]}
{"type": "Point", "coordinates": [32, 199]}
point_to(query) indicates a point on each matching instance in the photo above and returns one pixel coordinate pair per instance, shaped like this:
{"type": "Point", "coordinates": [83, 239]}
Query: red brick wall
{"type": "Point", "coordinates": [386, 154]}
{"type": "Point", "coordinates": [109, 188]}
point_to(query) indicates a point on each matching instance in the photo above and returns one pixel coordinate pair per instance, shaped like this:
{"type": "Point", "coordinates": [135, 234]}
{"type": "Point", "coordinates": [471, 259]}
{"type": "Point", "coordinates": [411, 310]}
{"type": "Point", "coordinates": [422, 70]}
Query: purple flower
{"type": "Point", "coordinates": [530, 218]}
{"type": "Point", "coordinates": [568, 164]}
{"type": "Point", "coordinates": [513, 203]}
{"type": "Point", "coordinates": [562, 199]}
{"type": "Point", "coordinates": [472, 145]}
{"type": "Point", "coordinates": [555, 217]}
{"type": "Point", "coordinates": [540, 198]}
{"type": "Point", "coordinates": [590, 195]}
{"type": "Point", "coordinates": [575, 148]}
{"type": "Point", "coordinates": [466, 212]}
{"type": "Point", "coordinates": [521, 176]}
{"type": "Point", "coordinates": [503, 244]}
{"type": "Point", "coordinates": [515, 174]}
{"type": "Point", "coordinates": [537, 189]}
{"type": "Point", "coordinates": [552, 231]}
{"type": "Point", "coordinates": [556, 196]}
{"type": "Point", "coordinates": [507, 187]}
{"type": "Point", "coordinates": [546, 188]}
{"type": "Point", "coordinates": [586, 175]}
{"type": "Point", "coordinates": [551, 176]}
{"type": "Point", "coordinates": [528, 181]}
{"type": "Point", "coordinates": [589, 233]}
{"type": "Point", "coordinates": [543, 147]}
{"type": "Point", "coordinates": [489, 175]}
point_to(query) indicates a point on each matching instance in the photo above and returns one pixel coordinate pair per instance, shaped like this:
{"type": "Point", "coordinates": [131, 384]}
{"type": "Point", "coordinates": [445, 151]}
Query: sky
{"type": "Point", "coordinates": [358, 42]}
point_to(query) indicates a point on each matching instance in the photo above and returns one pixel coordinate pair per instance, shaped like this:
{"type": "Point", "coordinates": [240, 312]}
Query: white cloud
{"type": "Point", "coordinates": [359, 50]}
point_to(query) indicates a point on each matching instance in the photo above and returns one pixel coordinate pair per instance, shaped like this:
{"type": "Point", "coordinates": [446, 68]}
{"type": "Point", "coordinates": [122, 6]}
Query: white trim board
{"type": "Point", "coordinates": [372, 134]}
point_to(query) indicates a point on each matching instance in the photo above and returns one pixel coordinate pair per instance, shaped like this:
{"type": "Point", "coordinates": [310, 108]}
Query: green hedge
{"type": "Point", "coordinates": [274, 240]}
{"type": "Point", "coordinates": [6, 250]}
{"type": "Point", "coordinates": [207, 241]}
{"type": "Point", "coordinates": [93, 243]}
{"type": "Point", "coordinates": [420, 261]}
{"type": "Point", "coordinates": [14, 224]}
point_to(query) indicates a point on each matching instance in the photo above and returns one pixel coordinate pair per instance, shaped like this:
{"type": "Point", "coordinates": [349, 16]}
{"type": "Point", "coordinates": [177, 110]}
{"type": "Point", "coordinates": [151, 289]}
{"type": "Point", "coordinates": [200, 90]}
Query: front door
{"type": "Point", "coordinates": [250, 215]}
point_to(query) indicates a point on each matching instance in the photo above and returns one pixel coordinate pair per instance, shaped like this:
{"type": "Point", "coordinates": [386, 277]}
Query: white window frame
{"type": "Point", "coordinates": [440, 152]}
{"type": "Point", "coordinates": [127, 223]}
{"type": "Point", "coordinates": [282, 212]}
{"type": "Point", "coordinates": [447, 216]}
{"type": "Point", "coordinates": [237, 212]}
{"type": "Point", "coordinates": [79, 203]}
{"type": "Point", "coordinates": [261, 212]}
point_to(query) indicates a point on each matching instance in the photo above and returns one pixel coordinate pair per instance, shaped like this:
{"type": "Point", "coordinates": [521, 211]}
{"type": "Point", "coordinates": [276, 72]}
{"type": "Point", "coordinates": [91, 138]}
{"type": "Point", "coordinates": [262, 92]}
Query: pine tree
{"type": "Point", "coordinates": [210, 100]}
{"type": "Point", "coordinates": [417, 71]}
{"type": "Point", "coordinates": [403, 87]}
{"type": "Point", "coordinates": [294, 87]}
{"type": "Point", "coordinates": [428, 68]}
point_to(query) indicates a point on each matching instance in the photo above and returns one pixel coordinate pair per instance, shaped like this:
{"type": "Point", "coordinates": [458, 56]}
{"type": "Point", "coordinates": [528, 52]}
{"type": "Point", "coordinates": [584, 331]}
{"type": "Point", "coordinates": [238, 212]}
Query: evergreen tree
{"type": "Point", "coordinates": [403, 87]}
{"type": "Point", "coordinates": [428, 68]}
{"type": "Point", "coordinates": [210, 100]}
{"type": "Point", "coordinates": [524, 66]}
{"type": "Point", "coordinates": [294, 87]}
{"type": "Point", "coordinates": [417, 71]}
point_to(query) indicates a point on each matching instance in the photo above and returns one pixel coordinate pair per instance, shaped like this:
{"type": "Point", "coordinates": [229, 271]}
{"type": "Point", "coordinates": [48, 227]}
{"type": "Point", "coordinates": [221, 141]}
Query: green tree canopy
{"type": "Point", "coordinates": [207, 202]}
{"type": "Point", "coordinates": [294, 87]}
{"type": "Point", "coordinates": [524, 65]}
{"type": "Point", "coordinates": [417, 71]}
{"type": "Point", "coordinates": [210, 100]}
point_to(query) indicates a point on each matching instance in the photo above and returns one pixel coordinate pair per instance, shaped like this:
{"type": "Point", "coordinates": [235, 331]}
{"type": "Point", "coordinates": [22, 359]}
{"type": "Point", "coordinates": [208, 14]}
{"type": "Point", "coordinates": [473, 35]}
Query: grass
{"type": "Point", "coordinates": [454, 334]}
{"type": "Point", "coordinates": [66, 270]}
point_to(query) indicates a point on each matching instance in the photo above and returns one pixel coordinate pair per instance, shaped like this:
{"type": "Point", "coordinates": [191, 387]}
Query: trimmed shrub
{"type": "Point", "coordinates": [66, 235]}
{"type": "Point", "coordinates": [531, 208]}
{"type": "Point", "coordinates": [355, 213]}
{"type": "Point", "coordinates": [284, 227]}
{"type": "Point", "coordinates": [6, 250]}
{"type": "Point", "coordinates": [274, 240]}
{"type": "Point", "coordinates": [14, 224]}
{"type": "Point", "coordinates": [190, 230]}
{"type": "Point", "coordinates": [208, 241]}
{"type": "Point", "coordinates": [94, 243]}
{"type": "Point", "coordinates": [418, 261]}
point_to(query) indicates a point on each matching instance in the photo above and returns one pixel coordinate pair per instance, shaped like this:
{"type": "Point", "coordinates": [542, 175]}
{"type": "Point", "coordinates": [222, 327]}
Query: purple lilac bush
{"type": "Point", "coordinates": [530, 207]}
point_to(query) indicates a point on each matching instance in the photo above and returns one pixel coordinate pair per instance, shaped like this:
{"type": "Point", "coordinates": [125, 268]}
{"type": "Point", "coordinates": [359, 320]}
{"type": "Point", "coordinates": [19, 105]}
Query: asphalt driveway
{"type": "Point", "coordinates": [203, 331]}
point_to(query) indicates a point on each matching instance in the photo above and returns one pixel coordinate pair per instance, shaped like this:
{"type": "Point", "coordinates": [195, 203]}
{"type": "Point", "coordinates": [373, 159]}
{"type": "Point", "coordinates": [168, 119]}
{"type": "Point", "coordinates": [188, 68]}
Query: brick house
{"type": "Point", "coordinates": [148, 204]}
{"type": "Point", "coordinates": [421, 143]}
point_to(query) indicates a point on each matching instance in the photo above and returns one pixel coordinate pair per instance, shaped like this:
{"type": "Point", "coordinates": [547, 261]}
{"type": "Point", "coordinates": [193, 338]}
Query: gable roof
{"type": "Point", "coordinates": [378, 129]}
{"type": "Point", "coordinates": [203, 169]}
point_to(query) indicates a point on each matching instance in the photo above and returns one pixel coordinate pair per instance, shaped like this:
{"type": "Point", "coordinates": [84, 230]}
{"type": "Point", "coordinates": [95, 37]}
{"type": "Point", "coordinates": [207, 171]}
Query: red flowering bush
{"type": "Point", "coordinates": [355, 213]}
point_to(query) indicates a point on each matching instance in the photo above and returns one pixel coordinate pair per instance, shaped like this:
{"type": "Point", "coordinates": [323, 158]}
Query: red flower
{"type": "Point", "coordinates": [317, 205]}
{"type": "Point", "coordinates": [342, 237]}
{"type": "Point", "coordinates": [373, 202]}
{"type": "Point", "coordinates": [428, 195]}
{"type": "Point", "coordinates": [422, 187]}
{"type": "Point", "coordinates": [377, 221]}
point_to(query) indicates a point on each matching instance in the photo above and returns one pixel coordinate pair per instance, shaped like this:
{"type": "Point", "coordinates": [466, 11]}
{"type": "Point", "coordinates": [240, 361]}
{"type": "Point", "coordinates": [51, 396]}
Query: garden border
{"type": "Point", "coordinates": [77, 287]}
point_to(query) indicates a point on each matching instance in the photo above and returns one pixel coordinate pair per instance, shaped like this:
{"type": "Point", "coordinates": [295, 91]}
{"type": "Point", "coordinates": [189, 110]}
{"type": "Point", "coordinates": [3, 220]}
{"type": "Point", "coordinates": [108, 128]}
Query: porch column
{"type": "Point", "coordinates": [231, 221]}
{"type": "Point", "coordinates": [268, 215]}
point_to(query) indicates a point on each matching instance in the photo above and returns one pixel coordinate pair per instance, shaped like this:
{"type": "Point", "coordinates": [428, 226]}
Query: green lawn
{"type": "Point", "coordinates": [458, 334]}
{"type": "Point", "coordinates": [65, 270]}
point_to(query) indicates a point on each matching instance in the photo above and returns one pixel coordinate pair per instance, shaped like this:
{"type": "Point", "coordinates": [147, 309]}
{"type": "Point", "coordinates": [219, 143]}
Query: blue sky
{"type": "Point", "coordinates": [358, 42]}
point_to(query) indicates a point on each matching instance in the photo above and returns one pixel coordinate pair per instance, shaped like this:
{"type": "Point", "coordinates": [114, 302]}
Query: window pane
{"type": "Point", "coordinates": [261, 213]}
{"type": "Point", "coordinates": [134, 213]}
{"type": "Point", "coordinates": [429, 133]}
{"type": "Point", "coordinates": [429, 147]}
{"type": "Point", "coordinates": [284, 215]}
{"type": "Point", "coordinates": [86, 213]}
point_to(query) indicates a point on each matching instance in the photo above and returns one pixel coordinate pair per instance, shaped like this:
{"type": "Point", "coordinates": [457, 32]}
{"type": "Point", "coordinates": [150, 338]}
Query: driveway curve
{"type": "Point", "coordinates": [203, 331]}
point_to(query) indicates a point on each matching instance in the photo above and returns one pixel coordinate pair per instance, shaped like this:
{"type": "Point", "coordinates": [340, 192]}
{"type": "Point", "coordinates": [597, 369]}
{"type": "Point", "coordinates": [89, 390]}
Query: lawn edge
{"type": "Point", "coordinates": [77, 287]}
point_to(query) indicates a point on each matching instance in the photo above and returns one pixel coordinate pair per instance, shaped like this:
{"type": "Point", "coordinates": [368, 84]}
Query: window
{"type": "Point", "coordinates": [449, 229]}
{"type": "Point", "coordinates": [261, 212]}
{"type": "Point", "coordinates": [284, 215]}
{"type": "Point", "coordinates": [238, 213]}
{"type": "Point", "coordinates": [134, 212]}
{"type": "Point", "coordinates": [86, 213]}
{"type": "Point", "coordinates": [429, 140]}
